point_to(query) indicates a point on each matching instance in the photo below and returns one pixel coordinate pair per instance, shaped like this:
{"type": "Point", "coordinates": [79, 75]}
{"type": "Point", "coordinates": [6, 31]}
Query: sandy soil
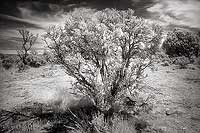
{"type": "Point", "coordinates": [176, 99]}
{"type": "Point", "coordinates": [45, 84]}
{"type": "Point", "coordinates": [176, 93]}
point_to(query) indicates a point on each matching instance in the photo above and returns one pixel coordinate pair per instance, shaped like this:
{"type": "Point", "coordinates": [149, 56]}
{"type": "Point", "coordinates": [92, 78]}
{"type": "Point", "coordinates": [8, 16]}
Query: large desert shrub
{"type": "Point", "coordinates": [106, 52]}
{"type": "Point", "coordinates": [182, 43]}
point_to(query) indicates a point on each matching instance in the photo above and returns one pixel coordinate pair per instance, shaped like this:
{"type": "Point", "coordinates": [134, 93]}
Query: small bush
{"type": "Point", "coordinates": [32, 61]}
{"type": "Point", "coordinates": [182, 61]}
{"type": "Point", "coordinates": [35, 61]}
{"type": "Point", "coordinates": [21, 66]}
{"type": "Point", "coordinates": [8, 62]}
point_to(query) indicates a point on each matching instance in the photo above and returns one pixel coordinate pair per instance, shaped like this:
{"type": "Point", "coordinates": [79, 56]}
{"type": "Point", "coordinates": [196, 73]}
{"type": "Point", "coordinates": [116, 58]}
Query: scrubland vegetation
{"type": "Point", "coordinates": [107, 54]}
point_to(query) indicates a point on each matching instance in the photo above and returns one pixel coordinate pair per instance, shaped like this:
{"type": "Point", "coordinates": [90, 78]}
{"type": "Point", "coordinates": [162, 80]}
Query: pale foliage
{"type": "Point", "coordinates": [106, 51]}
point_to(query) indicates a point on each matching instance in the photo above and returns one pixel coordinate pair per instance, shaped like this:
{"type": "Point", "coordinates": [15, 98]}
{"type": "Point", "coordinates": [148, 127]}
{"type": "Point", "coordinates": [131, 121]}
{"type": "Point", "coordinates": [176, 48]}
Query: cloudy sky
{"type": "Point", "coordinates": [38, 15]}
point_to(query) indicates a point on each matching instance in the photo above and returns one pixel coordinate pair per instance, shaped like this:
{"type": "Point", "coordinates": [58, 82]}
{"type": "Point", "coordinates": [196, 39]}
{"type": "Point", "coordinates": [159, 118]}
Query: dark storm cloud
{"type": "Point", "coordinates": [9, 7]}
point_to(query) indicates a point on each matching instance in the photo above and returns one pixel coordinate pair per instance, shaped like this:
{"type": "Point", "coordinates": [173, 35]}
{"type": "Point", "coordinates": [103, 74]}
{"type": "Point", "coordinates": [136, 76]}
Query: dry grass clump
{"type": "Point", "coordinates": [79, 117]}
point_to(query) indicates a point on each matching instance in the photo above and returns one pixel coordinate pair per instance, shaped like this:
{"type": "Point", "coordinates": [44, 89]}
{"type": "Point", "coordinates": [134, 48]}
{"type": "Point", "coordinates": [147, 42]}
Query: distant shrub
{"type": "Point", "coordinates": [21, 66]}
{"type": "Point", "coordinates": [182, 61]}
{"type": "Point", "coordinates": [181, 43]}
{"type": "Point", "coordinates": [32, 61]}
{"type": "Point", "coordinates": [8, 62]}
{"type": "Point", "coordinates": [35, 61]}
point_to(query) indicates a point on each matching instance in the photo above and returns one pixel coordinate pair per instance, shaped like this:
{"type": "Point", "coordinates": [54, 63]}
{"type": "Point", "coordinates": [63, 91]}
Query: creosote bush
{"type": "Point", "coordinates": [106, 52]}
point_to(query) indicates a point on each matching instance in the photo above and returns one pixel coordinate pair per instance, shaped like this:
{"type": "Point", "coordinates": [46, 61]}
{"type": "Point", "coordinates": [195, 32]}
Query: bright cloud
{"type": "Point", "coordinates": [178, 12]}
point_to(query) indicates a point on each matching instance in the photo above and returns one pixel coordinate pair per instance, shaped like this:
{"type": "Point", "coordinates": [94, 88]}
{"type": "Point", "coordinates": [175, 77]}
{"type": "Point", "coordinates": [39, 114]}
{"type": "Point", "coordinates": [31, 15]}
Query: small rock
{"type": "Point", "coordinates": [172, 112]}
{"type": "Point", "coordinates": [42, 75]}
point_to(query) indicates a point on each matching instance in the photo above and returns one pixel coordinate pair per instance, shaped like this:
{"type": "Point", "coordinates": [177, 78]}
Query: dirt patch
{"type": "Point", "coordinates": [176, 99]}
{"type": "Point", "coordinates": [42, 84]}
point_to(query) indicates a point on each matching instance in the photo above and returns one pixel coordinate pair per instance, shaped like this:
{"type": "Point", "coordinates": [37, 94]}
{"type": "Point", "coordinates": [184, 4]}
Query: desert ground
{"type": "Point", "coordinates": [175, 94]}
